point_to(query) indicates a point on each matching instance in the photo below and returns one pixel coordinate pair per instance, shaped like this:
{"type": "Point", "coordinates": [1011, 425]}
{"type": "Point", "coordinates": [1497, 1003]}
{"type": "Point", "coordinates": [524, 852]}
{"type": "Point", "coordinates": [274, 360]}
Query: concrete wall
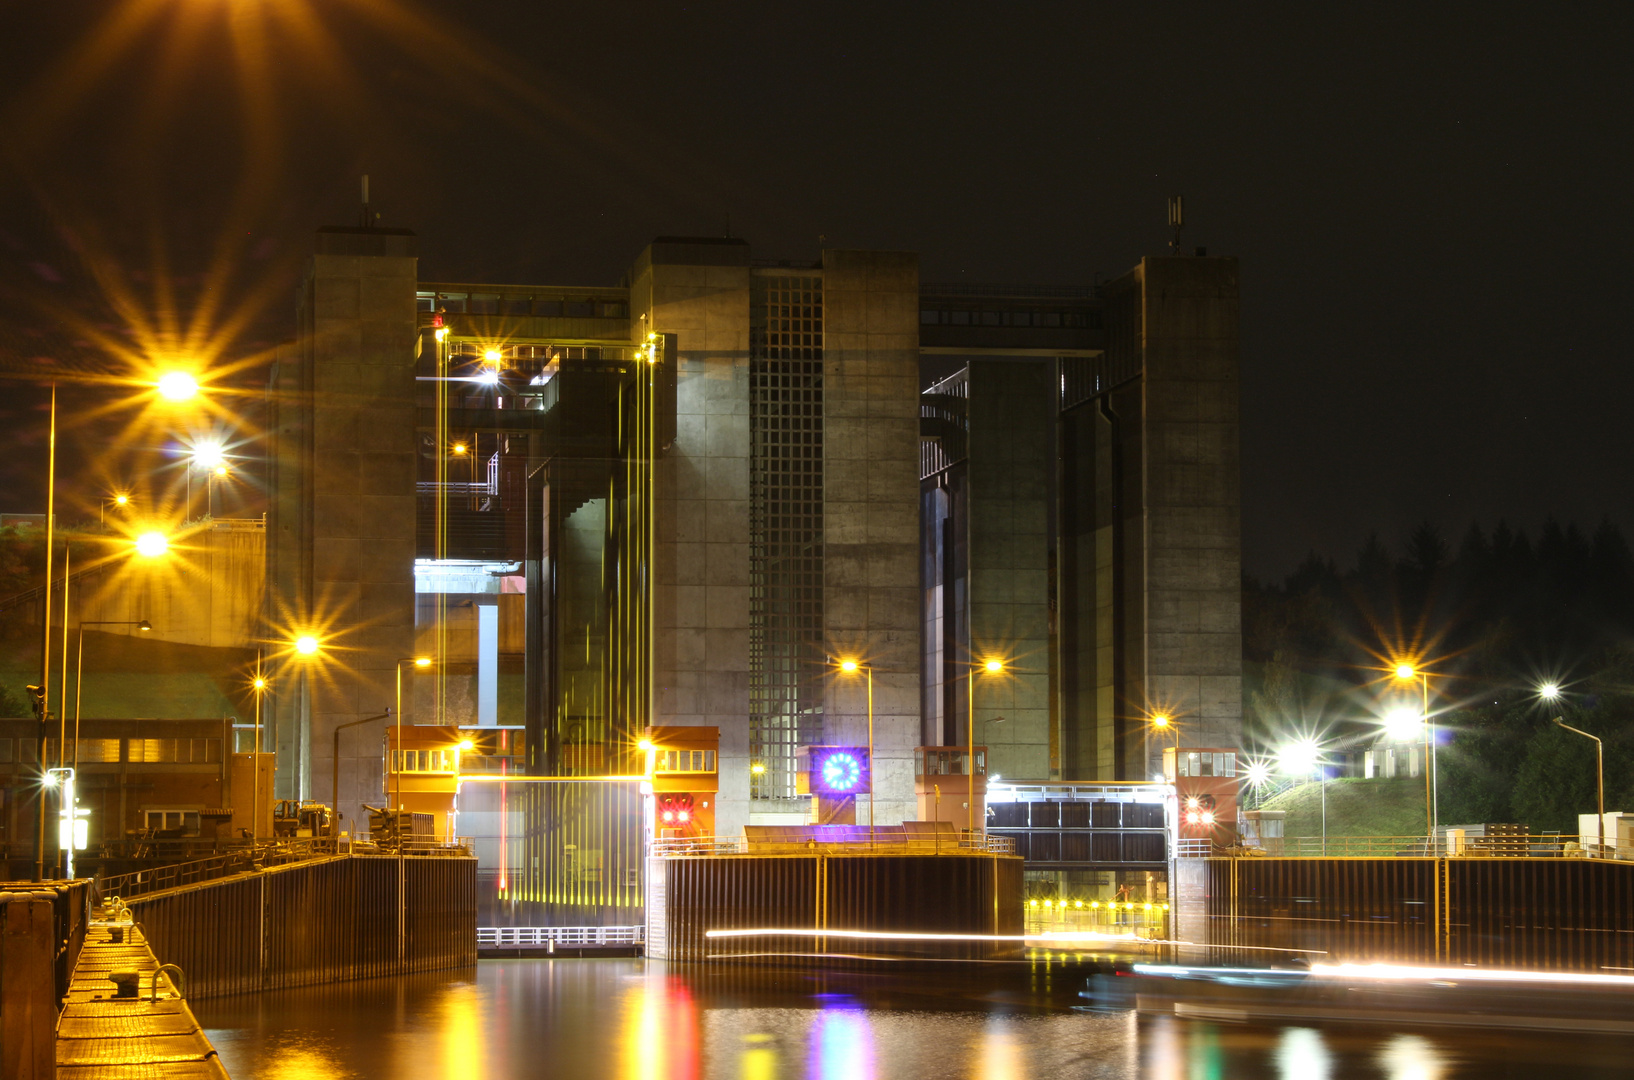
{"type": "Point", "coordinates": [1193, 498]}
{"type": "Point", "coordinates": [343, 510]}
{"type": "Point", "coordinates": [206, 590]}
{"type": "Point", "coordinates": [700, 293]}
{"type": "Point", "coordinates": [871, 510]}
{"type": "Point", "coordinates": [1010, 449]}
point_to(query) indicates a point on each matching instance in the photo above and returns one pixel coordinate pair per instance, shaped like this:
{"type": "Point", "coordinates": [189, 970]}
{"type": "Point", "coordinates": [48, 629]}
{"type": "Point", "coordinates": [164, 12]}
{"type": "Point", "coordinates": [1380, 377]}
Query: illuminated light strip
{"type": "Point", "coordinates": [1402, 973]}
{"type": "Point", "coordinates": [890, 935]}
{"type": "Point", "coordinates": [1462, 974]}
{"type": "Point", "coordinates": [513, 778]}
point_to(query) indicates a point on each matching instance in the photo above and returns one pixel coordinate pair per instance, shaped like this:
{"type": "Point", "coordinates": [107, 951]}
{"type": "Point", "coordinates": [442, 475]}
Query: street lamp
{"type": "Point", "coordinates": [1432, 793]}
{"type": "Point", "coordinates": [79, 665]}
{"type": "Point", "coordinates": [850, 666]}
{"type": "Point", "coordinates": [1599, 779]}
{"type": "Point", "coordinates": [992, 666]}
{"type": "Point", "coordinates": [119, 499]}
{"type": "Point", "coordinates": [151, 545]}
{"type": "Point", "coordinates": [421, 662]}
{"type": "Point", "coordinates": [1303, 758]}
{"type": "Point", "coordinates": [177, 386]}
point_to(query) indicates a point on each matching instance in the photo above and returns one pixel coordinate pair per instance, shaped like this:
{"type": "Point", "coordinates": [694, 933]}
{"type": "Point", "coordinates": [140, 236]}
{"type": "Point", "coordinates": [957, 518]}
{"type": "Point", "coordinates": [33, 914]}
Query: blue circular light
{"type": "Point", "coordinates": [841, 772]}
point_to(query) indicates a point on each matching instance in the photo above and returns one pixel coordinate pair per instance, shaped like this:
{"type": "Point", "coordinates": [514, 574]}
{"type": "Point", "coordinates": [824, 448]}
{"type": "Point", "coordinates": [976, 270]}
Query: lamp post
{"type": "Point", "coordinates": [1304, 758]}
{"type": "Point", "coordinates": [260, 687]}
{"type": "Point", "coordinates": [1432, 794]}
{"type": "Point", "coordinates": [397, 771]}
{"type": "Point", "coordinates": [851, 667]}
{"type": "Point", "coordinates": [992, 666]}
{"type": "Point", "coordinates": [1599, 779]}
{"type": "Point", "coordinates": [79, 666]}
{"type": "Point", "coordinates": [120, 500]}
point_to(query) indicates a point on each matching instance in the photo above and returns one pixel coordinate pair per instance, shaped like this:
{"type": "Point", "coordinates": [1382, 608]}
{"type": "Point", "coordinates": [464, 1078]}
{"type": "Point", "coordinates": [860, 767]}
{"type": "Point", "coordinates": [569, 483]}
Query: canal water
{"type": "Point", "coordinates": [629, 1019]}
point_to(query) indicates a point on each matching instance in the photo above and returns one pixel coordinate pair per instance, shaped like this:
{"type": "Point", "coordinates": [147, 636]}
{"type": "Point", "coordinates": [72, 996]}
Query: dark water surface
{"type": "Point", "coordinates": [628, 1019]}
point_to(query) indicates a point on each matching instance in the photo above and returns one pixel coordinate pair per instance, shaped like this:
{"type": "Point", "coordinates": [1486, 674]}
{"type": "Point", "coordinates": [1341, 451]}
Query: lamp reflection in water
{"type": "Point", "coordinates": [463, 1042]}
{"type": "Point", "coordinates": [1411, 1057]}
{"type": "Point", "coordinates": [1003, 1057]}
{"type": "Point", "coordinates": [660, 1032]}
{"type": "Point", "coordinates": [842, 1046]}
{"type": "Point", "coordinates": [1302, 1055]}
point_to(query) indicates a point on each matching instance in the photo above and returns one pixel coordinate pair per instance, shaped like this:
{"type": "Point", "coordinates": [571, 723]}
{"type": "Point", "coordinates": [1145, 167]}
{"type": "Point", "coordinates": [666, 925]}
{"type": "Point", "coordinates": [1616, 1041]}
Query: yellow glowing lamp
{"type": "Point", "coordinates": [441, 333]}
{"type": "Point", "coordinates": [493, 356]}
{"type": "Point", "coordinates": [1077, 903]}
{"type": "Point", "coordinates": [260, 684]}
{"type": "Point", "coordinates": [645, 746]}
{"type": "Point", "coordinates": [848, 665]}
{"type": "Point", "coordinates": [459, 448]}
{"type": "Point", "coordinates": [177, 386]}
{"type": "Point", "coordinates": [422, 661]}
{"type": "Point", "coordinates": [1405, 671]}
{"type": "Point", "coordinates": [994, 666]}
{"type": "Point", "coordinates": [121, 500]}
{"type": "Point", "coordinates": [1094, 903]}
{"type": "Point", "coordinates": [221, 470]}
{"type": "Point", "coordinates": [1032, 903]}
{"type": "Point", "coordinates": [757, 769]}
{"type": "Point", "coordinates": [1160, 721]}
{"type": "Point", "coordinates": [152, 544]}
{"type": "Point", "coordinates": [306, 645]}
{"type": "Point", "coordinates": [466, 745]}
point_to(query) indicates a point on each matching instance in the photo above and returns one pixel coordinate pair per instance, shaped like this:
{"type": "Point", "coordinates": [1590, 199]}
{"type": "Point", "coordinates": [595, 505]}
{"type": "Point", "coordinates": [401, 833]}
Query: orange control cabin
{"type": "Point", "coordinates": [426, 771]}
{"type": "Point", "coordinates": [1205, 781]}
{"type": "Point", "coordinates": [684, 768]}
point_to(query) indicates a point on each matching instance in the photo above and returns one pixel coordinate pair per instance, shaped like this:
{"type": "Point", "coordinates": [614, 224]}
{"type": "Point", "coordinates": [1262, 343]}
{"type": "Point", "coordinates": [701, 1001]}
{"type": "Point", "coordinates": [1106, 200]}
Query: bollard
{"type": "Point", "coordinates": [28, 987]}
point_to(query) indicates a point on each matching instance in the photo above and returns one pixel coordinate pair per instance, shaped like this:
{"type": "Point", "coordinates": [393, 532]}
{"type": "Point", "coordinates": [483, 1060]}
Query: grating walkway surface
{"type": "Point", "coordinates": [107, 1038]}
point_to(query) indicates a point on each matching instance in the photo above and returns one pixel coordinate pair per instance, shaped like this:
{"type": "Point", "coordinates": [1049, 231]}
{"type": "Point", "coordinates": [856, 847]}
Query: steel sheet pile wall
{"type": "Point", "coordinates": [322, 921]}
{"type": "Point", "coordinates": [1364, 909]}
{"type": "Point", "coordinates": [949, 894]}
{"type": "Point", "coordinates": [1575, 914]}
{"type": "Point", "coordinates": [42, 928]}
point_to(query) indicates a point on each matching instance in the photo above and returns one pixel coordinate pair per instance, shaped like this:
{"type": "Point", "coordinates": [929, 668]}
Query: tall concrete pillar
{"type": "Point", "coordinates": [342, 517]}
{"type": "Point", "coordinates": [698, 290]}
{"type": "Point", "coordinates": [871, 511]}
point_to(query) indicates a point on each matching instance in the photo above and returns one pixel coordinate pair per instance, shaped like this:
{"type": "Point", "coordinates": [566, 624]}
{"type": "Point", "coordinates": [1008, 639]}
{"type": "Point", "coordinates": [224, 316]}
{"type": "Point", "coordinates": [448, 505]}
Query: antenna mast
{"type": "Point", "coordinates": [1177, 218]}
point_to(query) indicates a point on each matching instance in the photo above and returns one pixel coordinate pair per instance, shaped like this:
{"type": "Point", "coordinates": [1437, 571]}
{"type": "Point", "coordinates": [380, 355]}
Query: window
{"type": "Point", "coordinates": [176, 822]}
{"type": "Point", "coordinates": [928, 317]}
{"type": "Point", "coordinates": [684, 761]}
{"type": "Point", "coordinates": [580, 309]}
{"type": "Point", "coordinates": [547, 307]}
{"type": "Point", "coordinates": [516, 305]}
{"type": "Point", "coordinates": [6, 750]}
{"type": "Point", "coordinates": [423, 761]}
{"type": "Point", "coordinates": [174, 751]}
{"type": "Point", "coordinates": [484, 304]}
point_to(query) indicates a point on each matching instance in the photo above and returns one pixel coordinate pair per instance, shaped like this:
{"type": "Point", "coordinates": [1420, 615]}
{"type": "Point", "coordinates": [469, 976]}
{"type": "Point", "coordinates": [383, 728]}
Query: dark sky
{"type": "Point", "coordinates": [1428, 202]}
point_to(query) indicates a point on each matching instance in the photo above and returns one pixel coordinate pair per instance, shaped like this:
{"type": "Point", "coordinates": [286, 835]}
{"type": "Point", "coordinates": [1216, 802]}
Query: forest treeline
{"type": "Point", "coordinates": [1492, 617]}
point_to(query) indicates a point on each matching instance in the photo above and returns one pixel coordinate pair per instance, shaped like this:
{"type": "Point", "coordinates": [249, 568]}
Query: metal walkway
{"type": "Point", "coordinates": [152, 1035]}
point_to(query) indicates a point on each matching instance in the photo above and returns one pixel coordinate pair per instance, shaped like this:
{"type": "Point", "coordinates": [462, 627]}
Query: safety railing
{"type": "Point", "coordinates": [1454, 846]}
{"type": "Point", "coordinates": [897, 844]}
{"type": "Point", "coordinates": [540, 937]}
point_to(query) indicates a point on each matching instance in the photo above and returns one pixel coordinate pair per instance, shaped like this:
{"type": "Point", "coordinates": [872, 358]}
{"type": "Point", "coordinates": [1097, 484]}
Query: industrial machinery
{"type": "Point", "coordinates": [387, 826]}
{"type": "Point", "coordinates": [301, 818]}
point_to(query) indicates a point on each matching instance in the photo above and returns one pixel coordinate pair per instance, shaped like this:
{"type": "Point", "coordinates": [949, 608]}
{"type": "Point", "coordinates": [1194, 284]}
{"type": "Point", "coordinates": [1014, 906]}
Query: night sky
{"type": "Point", "coordinates": [1430, 204]}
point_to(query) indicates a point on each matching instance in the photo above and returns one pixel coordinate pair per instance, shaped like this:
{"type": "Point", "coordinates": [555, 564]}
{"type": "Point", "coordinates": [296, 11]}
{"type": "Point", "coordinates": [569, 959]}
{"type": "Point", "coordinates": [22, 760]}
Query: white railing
{"type": "Point", "coordinates": [540, 937]}
{"type": "Point", "coordinates": [1188, 847]}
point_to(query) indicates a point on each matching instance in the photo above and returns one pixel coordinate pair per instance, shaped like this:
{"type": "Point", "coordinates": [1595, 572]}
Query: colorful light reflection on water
{"type": "Point", "coordinates": [623, 1019]}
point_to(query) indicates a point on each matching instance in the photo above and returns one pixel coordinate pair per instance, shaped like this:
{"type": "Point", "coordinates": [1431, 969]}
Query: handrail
{"type": "Point", "coordinates": [526, 937]}
{"type": "Point", "coordinates": [694, 846]}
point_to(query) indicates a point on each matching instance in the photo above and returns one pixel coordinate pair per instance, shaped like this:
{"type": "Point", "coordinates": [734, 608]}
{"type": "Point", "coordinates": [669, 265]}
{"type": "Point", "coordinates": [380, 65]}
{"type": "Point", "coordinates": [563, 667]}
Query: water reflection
{"type": "Point", "coordinates": [842, 1046]}
{"type": "Point", "coordinates": [1301, 1055]}
{"type": "Point", "coordinates": [620, 1018]}
{"type": "Point", "coordinates": [1411, 1057]}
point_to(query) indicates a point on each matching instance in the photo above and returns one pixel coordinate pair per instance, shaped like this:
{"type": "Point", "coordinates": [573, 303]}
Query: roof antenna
{"type": "Point", "coordinates": [368, 218]}
{"type": "Point", "coordinates": [1177, 218]}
